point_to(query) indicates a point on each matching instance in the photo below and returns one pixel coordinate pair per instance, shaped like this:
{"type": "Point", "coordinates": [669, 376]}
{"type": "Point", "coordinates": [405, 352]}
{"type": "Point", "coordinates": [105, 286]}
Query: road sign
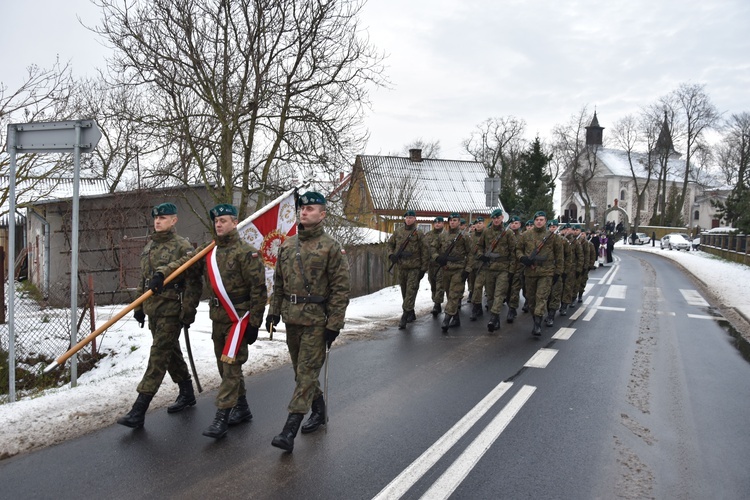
{"type": "Point", "coordinates": [53, 137]}
{"type": "Point", "coordinates": [492, 191]}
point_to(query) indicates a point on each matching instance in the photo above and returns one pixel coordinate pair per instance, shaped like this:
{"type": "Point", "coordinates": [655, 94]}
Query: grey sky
{"type": "Point", "coordinates": [452, 64]}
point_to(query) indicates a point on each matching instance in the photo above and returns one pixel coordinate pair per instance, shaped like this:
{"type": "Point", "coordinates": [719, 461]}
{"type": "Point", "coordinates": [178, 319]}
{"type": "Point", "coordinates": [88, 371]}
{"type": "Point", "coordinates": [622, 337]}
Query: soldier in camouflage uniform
{"type": "Point", "coordinates": [555, 296]}
{"type": "Point", "coordinates": [573, 266]}
{"type": "Point", "coordinates": [475, 231]}
{"type": "Point", "coordinates": [167, 314]}
{"type": "Point", "coordinates": [434, 273]}
{"type": "Point", "coordinates": [588, 264]}
{"type": "Point", "coordinates": [496, 252]}
{"type": "Point", "coordinates": [541, 255]}
{"type": "Point", "coordinates": [409, 252]}
{"type": "Point", "coordinates": [515, 271]}
{"type": "Point", "coordinates": [238, 289]}
{"type": "Point", "coordinates": [454, 254]}
{"type": "Point", "coordinates": [311, 293]}
{"type": "Point", "coordinates": [527, 227]}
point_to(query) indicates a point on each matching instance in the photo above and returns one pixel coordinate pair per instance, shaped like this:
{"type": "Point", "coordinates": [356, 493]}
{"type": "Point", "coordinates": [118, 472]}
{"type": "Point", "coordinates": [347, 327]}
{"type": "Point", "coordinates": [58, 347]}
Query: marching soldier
{"type": "Point", "coordinates": [310, 293]}
{"type": "Point", "coordinates": [555, 296]}
{"type": "Point", "coordinates": [167, 314]}
{"type": "Point", "coordinates": [573, 267]}
{"type": "Point", "coordinates": [476, 230]}
{"type": "Point", "coordinates": [496, 252]}
{"type": "Point", "coordinates": [542, 259]}
{"type": "Point", "coordinates": [454, 255]}
{"type": "Point", "coordinates": [238, 284]}
{"type": "Point", "coordinates": [434, 274]}
{"type": "Point", "coordinates": [589, 252]}
{"type": "Point", "coordinates": [516, 274]}
{"type": "Point", "coordinates": [409, 252]}
{"type": "Point", "coordinates": [527, 227]}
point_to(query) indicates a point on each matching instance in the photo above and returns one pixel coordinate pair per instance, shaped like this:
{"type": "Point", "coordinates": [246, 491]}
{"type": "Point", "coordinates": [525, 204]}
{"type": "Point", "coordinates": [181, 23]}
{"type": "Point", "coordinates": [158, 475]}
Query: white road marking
{"type": "Point", "coordinates": [578, 312]}
{"type": "Point", "coordinates": [653, 293]}
{"type": "Point", "coordinates": [541, 358]}
{"type": "Point", "coordinates": [659, 313]}
{"type": "Point", "coordinates": [563, 333]}
{"type": "Point", "coordinates": [703, 316]}
{"type": "Point", "coordinates": [457, 472]}
{"type": "Point", "coordinates": [414, 472]}
{"type": "Point", "coordinates": [616, 291]}
{"type": "Point", "coordinates": [693, 298]}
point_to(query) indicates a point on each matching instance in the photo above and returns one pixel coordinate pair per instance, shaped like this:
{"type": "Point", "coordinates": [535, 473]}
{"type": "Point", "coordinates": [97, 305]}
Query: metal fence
{"type": "Point", "coordinates": [731, 246]}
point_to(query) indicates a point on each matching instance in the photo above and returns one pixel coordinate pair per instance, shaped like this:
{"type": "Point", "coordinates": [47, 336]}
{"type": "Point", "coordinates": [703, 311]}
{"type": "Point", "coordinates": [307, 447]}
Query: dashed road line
{"type": "Point", "coordinates": [693, 298]}
{"type": "Point", "coordinates": [563, 333]}
{"type": "Point", "coordinates": [541, 358]}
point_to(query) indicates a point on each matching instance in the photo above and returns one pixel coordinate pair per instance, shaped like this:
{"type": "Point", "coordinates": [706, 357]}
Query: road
{"type": "Point", "coordinates": [638, 393]}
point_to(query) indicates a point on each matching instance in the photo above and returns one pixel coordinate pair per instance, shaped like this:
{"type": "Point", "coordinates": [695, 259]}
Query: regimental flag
{"type": "Point", "coordinates": [268, 231]}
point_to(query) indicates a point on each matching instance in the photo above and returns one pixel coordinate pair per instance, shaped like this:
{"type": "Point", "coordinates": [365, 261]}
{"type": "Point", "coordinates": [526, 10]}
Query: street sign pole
{"type": "Point", "coordinates": [11, 269]}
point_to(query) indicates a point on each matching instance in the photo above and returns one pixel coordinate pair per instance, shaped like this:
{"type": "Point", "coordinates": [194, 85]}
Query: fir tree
{"type": "Point", "coordinates": [535, 187]}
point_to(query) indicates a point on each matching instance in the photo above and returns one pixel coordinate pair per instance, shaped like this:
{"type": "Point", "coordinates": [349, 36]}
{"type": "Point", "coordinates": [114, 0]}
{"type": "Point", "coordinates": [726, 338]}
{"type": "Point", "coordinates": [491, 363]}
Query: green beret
{"type": "Point", "coordinates": [454, 215]}
{"type": "Point", "coordinates": [312, 198]}
{"type": "Point", "coordinates": [540, 213]}
{"type": "Point", "coordinates": [438, 219]}
{"type": "Point", "coordinates": [529, 222]}
{"type": "Point", "coordinates": [515, 218]}
{"type": "Point", "coordinates": [498, 212]}
{"type": "Point", "coordinates": [463, 221]}
{"type": "Point", "coordinates": [479, 219]}
{"type": "Point", "coordinates": [553, 222]}
{"type": "Point", "coordinates": [410, 213]}
{"type": "Point", "coordinates": [567, 226]}
{"type": "Point", "coordinates": [223, 209]}
{"type": "Point", "coordinates": [164, 209]}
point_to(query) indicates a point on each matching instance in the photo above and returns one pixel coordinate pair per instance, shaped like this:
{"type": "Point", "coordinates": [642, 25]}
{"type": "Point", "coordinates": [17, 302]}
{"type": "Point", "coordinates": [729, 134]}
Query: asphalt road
{"type": "Point", "coordinates": [638, 393]}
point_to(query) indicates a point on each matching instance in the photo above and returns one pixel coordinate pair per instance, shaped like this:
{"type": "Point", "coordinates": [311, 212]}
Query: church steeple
{"type": "Point", "coordinates": [594, 133]}
{"type": "Point", "coordinates": [664, 144]}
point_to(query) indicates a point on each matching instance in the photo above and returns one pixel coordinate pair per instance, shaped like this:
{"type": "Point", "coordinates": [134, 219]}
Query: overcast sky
{"type": "Point", "coordinates": [453, 64]}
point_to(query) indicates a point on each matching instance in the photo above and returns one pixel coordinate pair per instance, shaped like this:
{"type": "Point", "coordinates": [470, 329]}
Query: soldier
{"type": "Point", "coordinates": [516, 274]}
{"type": "Point", "coordinates": [589, 258]}
{"type": "Point", "coordinates": [434, 274]}
{"type": "Point", "coordinates": [573, 263]}
{"type": "Point", "coordinates": [476, 234]}
{"type": "Point", "coordinates": [238, 284]}
{"type": "Point", "coordinates": [527, 227]}
{"type": "Point", "coordinates": [167, 314]}
{"type": "Point", "coordinates": [496, 252]}
{"type": "Point", "coordinates": [553, 304]}
{"type": "Point", "coordinates": [542, 257]}
{"type": "Point", "coordinates": [409, 252]}
{"type": "Point", "coordinates": [455, 258]}
{"type": "Point", "coordinates": [311, 293]}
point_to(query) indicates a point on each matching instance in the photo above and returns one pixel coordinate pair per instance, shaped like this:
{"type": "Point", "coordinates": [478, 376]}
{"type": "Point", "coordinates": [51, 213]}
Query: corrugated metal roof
{"type": "Point", "coordinates": [429, 185]}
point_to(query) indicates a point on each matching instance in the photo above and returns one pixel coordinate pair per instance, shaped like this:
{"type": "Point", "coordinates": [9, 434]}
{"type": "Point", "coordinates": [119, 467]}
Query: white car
{"type": "Point", "coordinates": [675, 241]}
{"type": "Point", "coordinates": [642, 239]}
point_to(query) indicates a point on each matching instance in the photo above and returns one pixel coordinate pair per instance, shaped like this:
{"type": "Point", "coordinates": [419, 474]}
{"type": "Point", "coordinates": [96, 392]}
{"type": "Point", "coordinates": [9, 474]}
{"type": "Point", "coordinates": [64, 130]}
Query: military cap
{"type": "Point", "coordinates": [463, 221]}
{"type": "Point", "coordinates": [540, 213]}
{"type": "Point", "coordinates": [530, 222]}
{"type": "Point", "coordinates": [479, 219]}
{"type": "Point", "coordinates": [312, 198]}
{"type": "Point", "coordinates": [223, 209]}
{"type": "Point", "coordinates": [553, 222]}
{"type": "Point", "coordinates": [498, 212]}
{"type": "Point", "coordinates": [567, 226]}
{"type": "Point", "coordinates": [410, 213]}
{"type": "Point", "coordinates": [439, 218]}
{"type": "Point", "coordinates": [515, 218]}
{"type": "Point", "coordinates": [164, 209]}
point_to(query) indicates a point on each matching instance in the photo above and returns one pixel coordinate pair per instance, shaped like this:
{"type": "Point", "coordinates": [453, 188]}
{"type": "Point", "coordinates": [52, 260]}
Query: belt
{"type": "Point", "coordinates": [236, 299]}
{"type": "Point", "coordinates": [305, 299]}
{"type": "Point", "coordinates": [456, 259]}
{"type": "Point", "coordinates": [175, 285]}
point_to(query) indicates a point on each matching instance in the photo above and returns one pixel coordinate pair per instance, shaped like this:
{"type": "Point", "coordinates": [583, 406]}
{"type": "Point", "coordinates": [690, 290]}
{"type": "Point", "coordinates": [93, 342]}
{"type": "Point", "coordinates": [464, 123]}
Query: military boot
{"type": "Point", "coordinates": [537, 330]}
{"type": "Point", "coordinates": [402, 322]}
{"type": "Point", "coordinates": [564, 310]}
{"type": "Point", "coordinates": [525, 307]}
{"type": "Point", "coordinates": [512, 313]}
{"type": "Point", "coordinates": [580, 297]}
{"type": "Point", "coordinates": [240, 412]}
{"type": "Point", "coordinates": [412, 317]}
{"type": "Point", "coordinates": [436, 309]}
{"type": "Point", "coordinates": [455, 321]}
{"type": "Point", "coordinates": [137, 415]}
{"type": "Point", "coordinates": [185, 398]}
{"type": "Point", "coordinates": [218, 428]}
{"type": "Point", "coordinates": [317, 417]}
{"type": "Point", "coordinates": [476, 311]}
{"type": "Point", "coordinates": [494, 323]}
{"type": "Point", "coordinates": [446, 322]}
{"type": "Point", "coordinates": [285, 440]}
{"type": "Point", "coordinates": [550, 321]}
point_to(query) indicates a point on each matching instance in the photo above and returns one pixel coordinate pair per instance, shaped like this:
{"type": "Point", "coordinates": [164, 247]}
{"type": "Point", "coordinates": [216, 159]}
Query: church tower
{"type": "Point", "coordinates": [664, 144]}
{"type": "Point", "coordinates": [594, 133]}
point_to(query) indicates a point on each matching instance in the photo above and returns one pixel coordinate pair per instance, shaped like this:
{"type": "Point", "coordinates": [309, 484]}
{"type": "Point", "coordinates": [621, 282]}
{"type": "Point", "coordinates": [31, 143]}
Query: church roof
{"type": "Point", "coordinates": [616, 161]}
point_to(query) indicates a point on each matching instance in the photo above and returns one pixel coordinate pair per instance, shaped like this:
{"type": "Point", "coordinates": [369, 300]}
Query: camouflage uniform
{"type": "Point", "coordinates": [516, 275]}
{"type": "Point", "coordinates": [326, 273]}
{"type": "Point", "coordinates": [553, 304]}
{"type": "Point", "coordinates": [434, 272]}
{"type": "Point", "coordinates": [168, 311]}
{"type": "Point", "coordinates": [473, 282]}
{"type": "Point", "coordinates": [460, 260]}
{"type": "Point", "coordinates": [547, 265]}
{"type": "Point", "coordinates": [412, 263]}
{"type": "Point", "coordinates": [499, 261]}
{"type": "Point", "coordinates": [573, 267]}
{"type": "Point", "coordinates": [589, 258]}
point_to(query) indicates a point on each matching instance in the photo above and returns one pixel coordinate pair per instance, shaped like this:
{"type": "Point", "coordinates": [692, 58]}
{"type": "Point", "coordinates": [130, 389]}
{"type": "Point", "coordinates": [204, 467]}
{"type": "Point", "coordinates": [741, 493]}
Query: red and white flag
{"type": "Point", "coordinates": [268, 231]}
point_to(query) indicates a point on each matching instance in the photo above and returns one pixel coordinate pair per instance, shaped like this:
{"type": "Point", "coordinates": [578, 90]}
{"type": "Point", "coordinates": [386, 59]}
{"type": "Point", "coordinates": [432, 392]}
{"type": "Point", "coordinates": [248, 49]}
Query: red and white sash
{"type": "Point", "coordinates": [232, 346]}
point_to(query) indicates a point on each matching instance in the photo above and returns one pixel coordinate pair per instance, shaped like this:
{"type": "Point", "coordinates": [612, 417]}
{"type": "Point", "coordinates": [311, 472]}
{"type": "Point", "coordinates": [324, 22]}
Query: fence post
{"type": "Point", "coordinates": [2, 285]}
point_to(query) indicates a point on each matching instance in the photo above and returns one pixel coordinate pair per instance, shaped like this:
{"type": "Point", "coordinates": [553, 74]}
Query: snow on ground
{"type": "Point", "coordinates": [108, 391]}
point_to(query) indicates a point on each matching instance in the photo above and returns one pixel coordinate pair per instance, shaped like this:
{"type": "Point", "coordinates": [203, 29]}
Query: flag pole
{"type": "Point", "coordinates": [148, 293]}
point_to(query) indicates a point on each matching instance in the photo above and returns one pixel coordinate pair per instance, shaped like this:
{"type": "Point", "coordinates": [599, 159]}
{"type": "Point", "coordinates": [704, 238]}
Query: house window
{"type": "Point", "coordinates": [696, 215]}
{"type": "Point", "coordinates": [622, 195]}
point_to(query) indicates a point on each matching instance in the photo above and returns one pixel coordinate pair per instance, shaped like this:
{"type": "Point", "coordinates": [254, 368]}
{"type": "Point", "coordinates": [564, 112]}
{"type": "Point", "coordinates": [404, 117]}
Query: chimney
{"type": "Point", "coordinates": [415, 155]}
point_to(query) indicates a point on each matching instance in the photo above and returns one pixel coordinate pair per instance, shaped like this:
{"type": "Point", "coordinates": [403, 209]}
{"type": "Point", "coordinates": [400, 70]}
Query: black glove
{"type": "Point", "coordinates": [157, 283]}
{"type": "Point", "coordinates": [392, 258]}
{"type": "Point", "coordinates": [251, 334]}
{"type": "Point", "coordinates": [484, 258]}
{"type": "Point", "coordinates": [330, 336]}
{"type": "Point", "coordinates": [442, 260]}
{"type": "Point", "coordinates": [555, 278]}
{"type": "Point", "coordinates": [464, 275]}
{"type": "Point", "coordinates": [140, 316]}
{"type": "Point", "coordinates": [187, 316]}
{"type": "Point", "coordinates": [526, 261]}
{"type": "Point", "coordinates": [271, 321]}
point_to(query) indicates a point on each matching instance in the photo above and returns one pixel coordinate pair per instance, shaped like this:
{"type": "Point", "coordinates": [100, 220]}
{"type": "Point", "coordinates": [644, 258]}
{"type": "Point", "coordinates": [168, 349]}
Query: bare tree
{"type": "Point", "coordinates": [629, 136]}
{"type": "Point", "coordinates": [430, 149]}
{"type": "Point", "coordinates": [240, 90]}
{"type": "Point", "coordinates": [733, 152]}
{"type": "Point", "coordinates": [495, 143]}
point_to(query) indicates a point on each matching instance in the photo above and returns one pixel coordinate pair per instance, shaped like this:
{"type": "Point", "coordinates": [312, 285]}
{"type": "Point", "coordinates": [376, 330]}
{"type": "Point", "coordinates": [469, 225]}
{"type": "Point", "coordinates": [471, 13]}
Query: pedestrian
{"type": "Point", "coordinates": [310, 294]}
{"type": "Point", "coordinates": [573, 268]}
{"type": "Point", "coordinates": [496, 253]}
{"type": "Point", "coordinates": [515, 270]}
{"type": "Point", "coordinates": [541, 254]}
{"type": "Point", "coordinates": [167, 314]}
{"type": "Point", "coordinates": [238, 298]}
{"type": "Point", "coordinates": [594, 239]}
{"type": "Point", "coordinates": [603, 239]}
{"type": "Point", "coordinates": [589, 259]}
{"type": "Point", "coordinates": [610, 248]}
{"type": "Point", "coordinates": [434, 273]}
{"type": "Point", "coordinates": [477, 228]}
{"type": "Point", "coordinates": [555, 296]}
{"type": "Point", "coordinates": [410, 255]}
{"type": "Point", "coordinates": [454, 254]}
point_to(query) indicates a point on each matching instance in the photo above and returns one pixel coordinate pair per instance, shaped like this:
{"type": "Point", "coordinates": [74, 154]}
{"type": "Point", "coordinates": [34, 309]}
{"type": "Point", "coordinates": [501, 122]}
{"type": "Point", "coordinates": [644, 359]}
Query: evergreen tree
{"type": "Point", "coordinates": [535, 186]}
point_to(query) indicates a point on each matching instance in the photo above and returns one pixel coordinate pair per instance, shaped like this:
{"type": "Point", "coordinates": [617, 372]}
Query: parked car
{"type": "Point", "coordinates": [642, 239]}
{"type": "Point", "coordinates": [675, 241]}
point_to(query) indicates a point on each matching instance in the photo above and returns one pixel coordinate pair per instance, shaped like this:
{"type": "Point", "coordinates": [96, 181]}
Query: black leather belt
{"type": "Point", "coordinates": [236, 299]}
{"type": "Point", "coordinates": [305, 299]}
{"type": "Point", "coordinates": [175, 285]}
